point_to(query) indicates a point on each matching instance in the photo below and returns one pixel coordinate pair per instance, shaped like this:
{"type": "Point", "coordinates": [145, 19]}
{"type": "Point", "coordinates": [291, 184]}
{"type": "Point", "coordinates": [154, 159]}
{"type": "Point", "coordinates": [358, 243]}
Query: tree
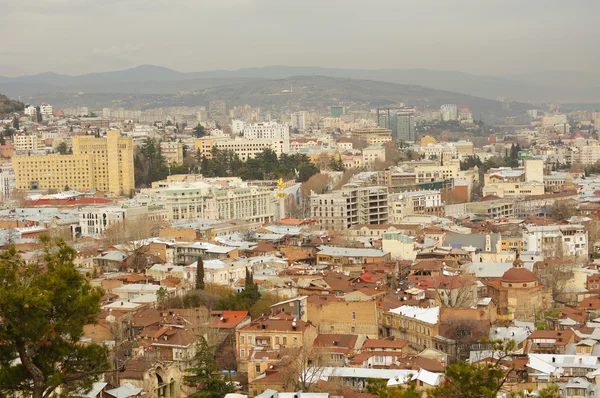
{"type": "Point", "coordinates": [481, 380]}
{"type": "Point", "coordinates": [62, 148]}
{"type": "Point", "coordinates": [205, 377]}
{"type": "Point", "coordinates": [38, 114]}
{"type": "Point", "coordinates": [43, 308]}
{"type": "Point", "coordinates": [560, 210]}
{"type": "Point", "coordinates": [556, 274]}
{"type": "Point", "coordinates": [379, 388]}
{"type": "Point", "coordinates": [200, 274]}
{"type": "Point", "coordinates": [455, 291]}
{"type": "Point", "coordinates": [15, 123]}
{"type": "Point", "coordinates": [199, 131]}
{"type": "Point", "coordinates": [319, 183]}
{"type": "Point", "coordinates": [161, 296]}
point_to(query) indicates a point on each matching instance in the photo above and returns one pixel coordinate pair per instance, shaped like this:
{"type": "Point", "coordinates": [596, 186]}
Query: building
{"type": "Point", "coordinates": [8, 182]}
{"type": "Point", "coordinates": [411, 203]}
{"type": "Point", "coordinates": [449, 112]}
{"type": "Point", "coordinates": [337, 256]}
{"type": "Point", "coordinates": [419, 326]}
{"type": "Point", "coordinates": [557, 241]}
{"type": "Point", "coordinates": [436, 173]}
{"type": "Point", "coordinates": [406, 125]}
{"type": "Point", "coordinates": [95, 220]}
{"type": "Point", "coordinates": [172, 151]}
{"type": "Point", "coordinates": [337, 316]}
{"type": "Point", "coordinates": [105, 164]}
{"type": "Point", "coordinates": [27, 142]}
{"type": "Point", "coordinates": [245, 148]}
{"type": "Point", "coordinates": [337, 111]}
{"type": "Point", "coordinates": [373, 154]}
{"type": "Point", "coordinates": [46, 111]}
{"type": "Point", "coordinates": [217, 109]}
{"type": "Point", "coordinates": [518, 295]}
{"type": "Point", "coordinates": [267, 131]}
{"type": "Point", "coordinates": [192, 200]}
{"type": "Point", "coordinates": [351, 205]}
{"type": "Point", "coordinates": [374, 135]}
{"type": "Point", "coordinates": [299, 120]}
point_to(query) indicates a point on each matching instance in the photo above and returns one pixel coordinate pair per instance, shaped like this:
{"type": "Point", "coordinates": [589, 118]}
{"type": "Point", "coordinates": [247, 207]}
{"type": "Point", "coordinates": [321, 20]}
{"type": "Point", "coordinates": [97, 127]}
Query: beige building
{"type": "Point", "coordinates": [338, 316]}
{"type": "Point", "coordinates": [244, 147]}
{"type": "Point", "coordinates": [105, 164]}
{"type": "Point", "coordinates": [172, 151]}
{"type": "Point", "coordinates": [375, 135]}
{"type": "Point", "coordinates": [372, 154]}
{"type": "Point", "coordinates": [436, 173]}
{"type": "Point", "coordinates": [27, 142]}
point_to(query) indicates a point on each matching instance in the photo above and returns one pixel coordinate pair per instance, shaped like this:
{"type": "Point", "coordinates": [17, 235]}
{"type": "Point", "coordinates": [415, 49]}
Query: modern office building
{"type": "Point", "coordinates": [405, 126]}
{"type": "Point", "coordinates": [105, 164]}
{"type": "Point", "coordinates": [337, 111]}
{"type": "Point", "coordinates": [374, 135]}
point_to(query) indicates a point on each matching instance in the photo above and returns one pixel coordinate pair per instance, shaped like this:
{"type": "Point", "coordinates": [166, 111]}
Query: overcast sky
{"type": "Point", "coordinates": [488, 37]}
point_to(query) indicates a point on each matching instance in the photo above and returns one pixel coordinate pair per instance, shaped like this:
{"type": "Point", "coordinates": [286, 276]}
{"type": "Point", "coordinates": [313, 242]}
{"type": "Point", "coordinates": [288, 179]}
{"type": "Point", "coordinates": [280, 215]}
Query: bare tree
{"type": "Point", "coordinates": [455, 291]}
{"type": "Point", "coordinates": [300, 367]}
{"type": "Point", "coordinates": [556, 274]}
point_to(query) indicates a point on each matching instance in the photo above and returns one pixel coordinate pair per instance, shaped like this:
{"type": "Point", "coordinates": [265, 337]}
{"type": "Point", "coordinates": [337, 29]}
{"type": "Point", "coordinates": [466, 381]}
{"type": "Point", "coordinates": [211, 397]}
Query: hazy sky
{"type": "Point", "coordinates": [475, 36]}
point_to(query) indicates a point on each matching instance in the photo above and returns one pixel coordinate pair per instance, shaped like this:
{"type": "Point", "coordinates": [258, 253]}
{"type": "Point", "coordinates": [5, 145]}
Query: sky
{"type": "Point", "coordinates": [485, 37]}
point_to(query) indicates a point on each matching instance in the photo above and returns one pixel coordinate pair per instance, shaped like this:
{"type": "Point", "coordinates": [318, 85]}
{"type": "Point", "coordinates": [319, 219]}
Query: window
{"type": "Point", "coordinates": [242, 354]}
{"type": "Point", "coordinates": [257, 368]}
{"type": "Point", "coordinates": [249, 339]}
{"type": "Point", "coordinates": [241, 339]}
{"type": "Point", "coordinates": [284, 340]}
{"type": "Point", "coordinates": [353, 316]}
{"type": "Point", "coordinates": [277, 340]}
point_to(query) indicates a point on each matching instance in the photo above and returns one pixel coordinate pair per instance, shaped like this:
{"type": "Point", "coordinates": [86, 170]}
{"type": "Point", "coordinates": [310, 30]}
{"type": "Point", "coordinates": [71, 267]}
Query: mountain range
{"type": "Point", "coordinates": [560, 86]}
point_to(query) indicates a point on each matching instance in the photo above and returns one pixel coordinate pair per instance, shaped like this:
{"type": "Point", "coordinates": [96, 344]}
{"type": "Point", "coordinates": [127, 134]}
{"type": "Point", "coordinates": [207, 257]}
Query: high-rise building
{"type": "Point", "coordinates": [405, 126]}
{"type": "Point", "coordinates": [7, 180]}
{"type": "Point", "coordinates": [105, 164]}
{"type": "Point", "coordinates": [217, 109]}
{"type": "Point", "coordinates": [299, 120]}
{"type": "Point", "coordinates": [337, 111]}
{"type": "Point", "coordinates": [449, 111]}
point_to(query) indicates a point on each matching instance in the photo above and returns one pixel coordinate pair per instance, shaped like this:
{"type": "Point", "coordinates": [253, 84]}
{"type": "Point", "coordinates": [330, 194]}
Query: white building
{"type": "Point", "coordinates": [237, 126]}
{"type": "Point", "coordinates": [8, 182]}
{"type": "Point", "coordinates": [27, 142]}
{"type": "Point", "coordinates": [30, 111]}
{"type": "Point", "coordinates": [95, 220]}
{"type": "Point", "coordinates": [372, 154]}
{"type": "Point", "coordinates": [449, 111]}
{"type": "Point", "coordinates": [299, 120]}
{"type": "Point", "coordinates": [46, 111]}
{"type": "Point", "coordinates": [267, 131]}
{"type": "Point", "coordinates": [249, 148]}
{"type": "Point", "coordinates": [557, 240]}
{"type": "Point", "coordinates": [414, 202]}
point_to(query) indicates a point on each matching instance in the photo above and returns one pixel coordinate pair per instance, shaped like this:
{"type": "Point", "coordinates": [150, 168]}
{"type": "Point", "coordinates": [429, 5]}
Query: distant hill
{"type": "Point", "coordinates": [8, 105]}
{"type": "Point", "coordinates": [297, 93]}
{"type": "Point", "coordinates": [558, 86]}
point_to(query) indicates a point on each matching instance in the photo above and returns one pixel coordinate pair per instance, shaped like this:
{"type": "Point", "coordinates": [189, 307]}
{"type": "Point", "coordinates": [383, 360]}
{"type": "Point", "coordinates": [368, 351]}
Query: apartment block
{"type": "Point", "coordinates": [374, 135]}
{"type": "Point", "coordinates": [27, 142]}
{"type": "Point", "coordinates": [172, 151]}
{"type": "Point", "coordinates": [415, 202]}
{"type": "Point", "coordinates": [105, 164]}
{"type": "Point", "coordinates": [351, 205]}
{"type": "Point", "coordinates": [245, 148]}
{"type": "Point", "coordinates": [7, 180]}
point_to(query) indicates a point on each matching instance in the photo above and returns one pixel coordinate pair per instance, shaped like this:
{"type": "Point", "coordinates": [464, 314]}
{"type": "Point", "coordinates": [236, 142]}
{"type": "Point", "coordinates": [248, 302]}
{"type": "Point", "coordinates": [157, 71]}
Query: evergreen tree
{"type": "Point", "coordinates": [15, 123]}
{"type": "Point", "coordinates": [250, 294]}
{"type": "Point", "coordinates": [199, 131]}
{"type": "Point", "coordinates": [43, 308]}
{"type": "Point", "coordinates": [200, 274]}
{"type": "Point", "coordinates": [205, 377]}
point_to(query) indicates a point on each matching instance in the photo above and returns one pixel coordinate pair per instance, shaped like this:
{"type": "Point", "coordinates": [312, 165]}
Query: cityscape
{"type": "Point", "coordinates": [389, 228]}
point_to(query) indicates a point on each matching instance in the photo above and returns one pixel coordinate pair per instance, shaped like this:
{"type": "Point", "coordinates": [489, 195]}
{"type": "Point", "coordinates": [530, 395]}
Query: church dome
{"type": "Point", "coordinates": [518, 275]}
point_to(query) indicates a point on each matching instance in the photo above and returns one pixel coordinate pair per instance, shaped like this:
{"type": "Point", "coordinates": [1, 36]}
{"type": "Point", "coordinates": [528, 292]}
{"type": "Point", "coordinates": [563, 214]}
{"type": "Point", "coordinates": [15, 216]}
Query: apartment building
{"type": "Point", "coordinates": [172, 151]}
{"type": "Point", "coordinates": [351, 205]}
{"type": "Point", "coordinates": [267, 131]}
{"type": "Point", "coordinates": [299, 120]}
{"type": "Point", "coordinates": [105, 164]}
{"type": "Point", "coordinates": [244, 147]}
{"type": "Point", "coordinates": [95, 220]}
{"type": "Point", "coordinates": [435, 173]}
{"type": "Point", "coordinates": [374, 135]}
{"type": "Point", "coordinates": [419, 326]}
{"type": "Point", "coordinates": [27, 142]}
{"type": "Point", "coordinates": [8, 182]}
{"type": "Point", "coordinates": [191, 200]}
{"type": "Point", "coordinates": [556, 241]}
{"type": "Point", "coordinates": [415, 202]}
{"type": "Point", "coordinates": [373, 154]}
{"type": "Point", "coordinates": [274, 334]}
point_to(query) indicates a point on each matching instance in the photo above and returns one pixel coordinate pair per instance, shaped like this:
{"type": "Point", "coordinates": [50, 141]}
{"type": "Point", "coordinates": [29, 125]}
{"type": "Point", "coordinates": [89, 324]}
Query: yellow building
{"type": "Point", "coordinates": [105, 164]}
{"type": "Point", "coordinates": [373, 135]}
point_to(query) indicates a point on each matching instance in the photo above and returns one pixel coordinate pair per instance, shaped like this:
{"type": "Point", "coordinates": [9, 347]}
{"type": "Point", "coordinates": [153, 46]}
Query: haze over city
{"type": "Point", "coordinates": [480, 37]}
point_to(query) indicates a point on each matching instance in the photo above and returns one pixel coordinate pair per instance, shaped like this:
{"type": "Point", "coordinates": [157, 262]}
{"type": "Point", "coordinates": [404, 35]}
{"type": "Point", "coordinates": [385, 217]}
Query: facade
{"type": "Point", "coordinates": [95, 220]}
{"type": "Point", "coordinates": [518, 295]}
{"type": "Point", "coordinates": [436, 173]}
{"type": "Point", "coordinates": [373, 135]}
{"type": "Point", "coordinates": [188, 201]}
{"type": "Point", "coordinates": [245, 148]}
{"type": "Point", "coordinates": [267, 131]}
{"type": "Point", "coordinates": [27, 142]}
{"type": "Point", "coordinates": [338, 316]}
{"type": "Point", "coordinates": [172, 151]}
{"type": "Point", "coordinates": [8, 182]}
{"type": "Point", "coordinates": [46, 111]}
{"type": "Point", "coordinates": [406, 204]}
{"type": "Point", "coordinates": [419, 326]}
{"type": "Point", "coordinates": [105, 164]}
{"type": "Point", "coordinates": [351, 205]}
{"type": "Point", "coordinates": [299, 120]}
{"type": "Point", "coordinates": [372, 154]}
{"type": "Point", "coordinates": [556, 241]}
{"type": "Point", "coordinates": [406, 126]}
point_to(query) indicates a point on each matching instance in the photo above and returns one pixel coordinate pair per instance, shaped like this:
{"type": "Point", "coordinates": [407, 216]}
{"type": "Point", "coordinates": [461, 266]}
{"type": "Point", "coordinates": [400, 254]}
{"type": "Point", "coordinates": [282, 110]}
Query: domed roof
{"type": "Point", "coordinates": [518, 275]}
